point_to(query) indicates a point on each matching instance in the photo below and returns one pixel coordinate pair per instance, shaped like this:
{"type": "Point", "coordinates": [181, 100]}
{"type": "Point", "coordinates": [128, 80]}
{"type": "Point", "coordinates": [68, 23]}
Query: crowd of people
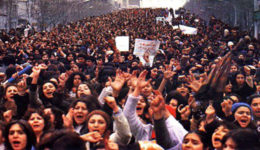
{"type": "Point", "coordinates": [200, 92]}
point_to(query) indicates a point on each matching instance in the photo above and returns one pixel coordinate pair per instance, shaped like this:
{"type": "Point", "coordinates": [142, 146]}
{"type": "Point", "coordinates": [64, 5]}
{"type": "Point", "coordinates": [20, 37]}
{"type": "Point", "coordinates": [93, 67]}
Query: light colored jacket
{"type": "Point", "coordinates": [143, 132]}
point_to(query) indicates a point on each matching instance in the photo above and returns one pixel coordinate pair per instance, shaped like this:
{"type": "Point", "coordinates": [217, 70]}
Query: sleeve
{"type": "Point", "coordinates": [105, 92]}
{"type": "Point", "coordinates": [33, 96]}
{"type": "Point", "coordinates": [139, 130]}
{"type": "Point", "coordinates": [162, 134]}
{"type": "Point", "coordinates": [122, 133]}
{"type": "Point", "coordinates": [176, 131]}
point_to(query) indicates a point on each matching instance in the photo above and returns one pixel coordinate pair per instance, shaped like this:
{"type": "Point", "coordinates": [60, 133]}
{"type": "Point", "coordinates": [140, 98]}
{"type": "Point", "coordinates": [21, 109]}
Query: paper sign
{"type": "Point", "coordinates": [122, 43]}
{"type": "Point", "coordinates": [186, 29]}
{"type": "Point", "coordinates": [146, 46]}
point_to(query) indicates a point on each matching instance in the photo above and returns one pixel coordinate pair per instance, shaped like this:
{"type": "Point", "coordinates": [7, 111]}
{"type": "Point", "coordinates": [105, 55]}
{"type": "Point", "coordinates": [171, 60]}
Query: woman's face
{"type": "Point", "coordinates": [174, 103]}
{"type": "Point", "coordinates": [70, 57]}
{"type": "Point", "coordinates": [228, 88]}
{"type": "Point", "coordinates": [76, 80]}
{"type": "Point", "coordinates": [183, 90]}
{"type": "Point", "coordinates": [10, 92]}
{"type": "Point", "coordinates": [229, 145]}
{"type": "Point", "coordinates": [233, 69]}
{"type": "Point", "coordinates": [17, 137]}
{"type": "Point", "coordinates": [218, 135]}
{"type": "Point", "coordinates": [74, 68]}
{"type": "Point", "coordinates": [240, 79]}
{"type": "Point", "coordinates": [83, 89]}
{"type": "Point", "coordinates": [80, 112]}
{"type": "Point", "coordinates": [97, 123]}
{"type": "Point", "coordinates": [36, 122]}
{"type": "Point", "coordinates": [147, 90]}
{"type": "Point", "coordinates": [48, 90]}
{"type": "Point", "coordinates": [192, 142]}
{"type": "Point", "coordinates": [243, 116]}
{"type": "Point", "coordinates": [154, 72]}
{"type": "Point", "coordinates": [140, 106]}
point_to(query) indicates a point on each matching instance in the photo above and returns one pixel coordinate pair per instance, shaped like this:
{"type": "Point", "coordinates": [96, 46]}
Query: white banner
{"type": "Point", "coordinates": [146, 46]}
{"type": "Point", "coordinates": [186, 29]}
{"type": "Point", "coordinates": [122, 43]}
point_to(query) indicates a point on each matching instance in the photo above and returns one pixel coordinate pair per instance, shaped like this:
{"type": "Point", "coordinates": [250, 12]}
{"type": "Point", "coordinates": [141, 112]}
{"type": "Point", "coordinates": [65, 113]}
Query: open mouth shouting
{"type": "Point", "coordinates": [244, 122]}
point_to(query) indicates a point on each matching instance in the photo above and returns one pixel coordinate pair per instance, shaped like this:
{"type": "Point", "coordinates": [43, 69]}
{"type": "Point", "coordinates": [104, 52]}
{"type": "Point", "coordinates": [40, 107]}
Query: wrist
{"type": "Point", "coordinates": [116, 109]}
{"type": "Point", "coordinates": [228, 113]}
{"type": "Point", "coordinates": [157, 116]}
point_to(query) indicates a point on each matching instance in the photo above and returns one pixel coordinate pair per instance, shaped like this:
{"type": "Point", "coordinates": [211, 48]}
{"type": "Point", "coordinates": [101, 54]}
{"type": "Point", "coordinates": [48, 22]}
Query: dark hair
{"type": "Point", "coordinates": [203, 138]}
{"type": "Point", "coordinates": [58, 121]}
{"type": "Point", "coordinates": [41, 94]}
{"type": "Point", "coordinates": [90, 101]}
{"type": "Point", "coordinates": [91, 88]}
{"type": "Point", "coordinates": [245, 139]}
{"type": "Point", "coordinates": [233, 94]}
{"type": "Point", "coordinates": [105, 116]}
{"type": "Point", "coordinates": [7, 86]}
{"type": "Point", "coordinates": [69, 82]}
{"type": "Point", "coordinates": [2, 127]}
{"type": "Point", "coordinates": [176, 95]}
{"type": "Point", "coordinates": [62, 140]}
{"type": "Point", "coordinates": [235, 76]}
{"type": "Point", "coordinates": [40, 111]}
{"type": "Point", "coordinates": [252, 97]}
{"type": "Point", "coordinates": [31, 138]}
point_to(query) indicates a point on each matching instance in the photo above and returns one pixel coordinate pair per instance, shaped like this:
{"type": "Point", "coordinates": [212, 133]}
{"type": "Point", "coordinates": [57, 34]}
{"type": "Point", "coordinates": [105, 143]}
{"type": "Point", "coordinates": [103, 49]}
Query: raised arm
{"type": "Point", "coordinates": [138, 129]}
{"type": "Point", "coordinates": [122, 133]}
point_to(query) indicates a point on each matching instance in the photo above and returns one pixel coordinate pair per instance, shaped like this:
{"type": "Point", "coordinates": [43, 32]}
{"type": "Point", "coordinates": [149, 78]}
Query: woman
{"type": "Point", "coordinates": [243, 115]}
{"type": "Point", "coordinates": [38, 121]}
{"type": "Point", "coordinates": [98, 124]}
{"type": "Point", "coordinates": [223, 128]}
{"type": "Point", "coordinates": [241, 139]}
{"type": "Point", "coordinates": [48, 96]}
{"type": "Point", "coordinates": [243, 85]}
{"type": "Point", "coordinates": [80, 109]}
{"type": "Point", "coordinates": [19, 136]}
{"type": "Point", "coordinates": [12, 100]}
{"type": "Point", "coordinates": [73, 82]}
{"type": "Point", "coordinates": [195, 140]}
{"type": "Point", "coordinates": [84, 89]}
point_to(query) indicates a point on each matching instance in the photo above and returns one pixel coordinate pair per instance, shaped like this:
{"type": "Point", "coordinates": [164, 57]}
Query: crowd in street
{"type": "Point", "coordinates": [201, 91]}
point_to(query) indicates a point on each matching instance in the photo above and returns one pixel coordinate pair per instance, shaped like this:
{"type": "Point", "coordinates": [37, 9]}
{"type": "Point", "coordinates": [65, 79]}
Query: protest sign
{"type": "Point", "coordinates": [186, 29]}
{"type": "Point", "coordinates": [122, 43]}
{"type": "Point", "coordinates": [146, 46]}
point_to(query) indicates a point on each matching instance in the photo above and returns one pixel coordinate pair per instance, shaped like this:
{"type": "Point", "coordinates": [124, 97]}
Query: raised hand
{"type": "Point", "coordinates": [158, 107]}
{"type": "Point", "coordinates": [194, 84]}
{"type": "Point", "coordinates": [92, 137]}
{"type": "Point", "coordinates": [8, 115]}
{"type": "Point", "coordinates": [112, 145]}
{"type": "Point", "coordinates": [119, 81]}
{"type": "Point", "coordinates": [185, 112]}
{"type": "Point", "coordinates": [68, 119]}
{"type": "Point", "coordinates": [36, 71]}
{"type": "Point", "coordinates": [111, 102]}
{"type": "Point", "coordinates": [226, 107]}
{"type": "Point", "coordinates": [168, 73]}
{"type": "Point", "coordinates": [132, 80]}
{"type": "Point", "coordinates": [141, 83]}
